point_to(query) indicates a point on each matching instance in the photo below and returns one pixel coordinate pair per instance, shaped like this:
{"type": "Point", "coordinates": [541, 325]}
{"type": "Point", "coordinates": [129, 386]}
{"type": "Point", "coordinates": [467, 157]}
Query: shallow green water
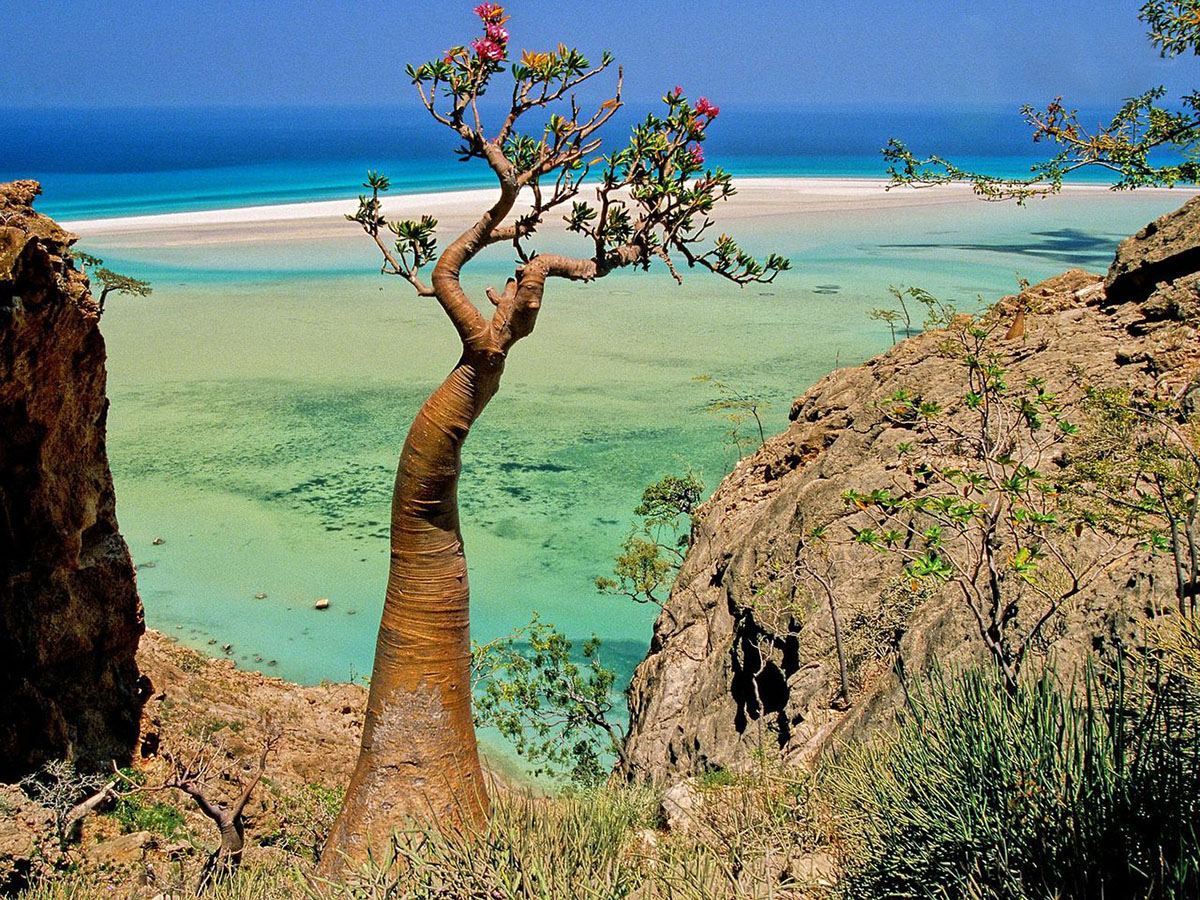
{"type": "Point", "coordinates": [260, 397]}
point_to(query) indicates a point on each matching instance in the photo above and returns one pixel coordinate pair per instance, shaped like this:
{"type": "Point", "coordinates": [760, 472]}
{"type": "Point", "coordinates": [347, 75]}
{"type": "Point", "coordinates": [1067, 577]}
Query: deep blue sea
{"type": "Point", "coordinates": [97, 162]}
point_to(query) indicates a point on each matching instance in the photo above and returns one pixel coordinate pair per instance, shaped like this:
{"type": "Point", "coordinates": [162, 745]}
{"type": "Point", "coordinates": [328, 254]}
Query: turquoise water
{"type": "Point", "coordinates": [98, 162]}
{"type": "Point", "coordinates": [260, 397]}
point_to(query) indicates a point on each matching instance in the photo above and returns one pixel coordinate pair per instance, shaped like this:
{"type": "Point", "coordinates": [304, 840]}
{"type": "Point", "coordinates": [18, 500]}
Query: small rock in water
{"type": "Point", "coordinates": [145, 565]}
{"type": "Point", "coordinates": [352, 612]}
{"type": "Point", "coordinates": [323, 603]}
{"type": "Point", "coordinates": [272, 662]}
{"type": "Point", "coordinates": [260, 596]}
{"type": "Point", "coordinates": [211, 641]}
{"type": "Point", "coordinates": [158, 542]}
{"type": "Point", "coordinates": [228, 648]}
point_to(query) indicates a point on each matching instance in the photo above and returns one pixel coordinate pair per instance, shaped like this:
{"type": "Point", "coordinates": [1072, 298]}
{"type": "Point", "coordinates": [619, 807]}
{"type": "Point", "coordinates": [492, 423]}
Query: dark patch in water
{"type": "Point", "coordinates": [1071, 245]}
{"type": "Point", "coordinates": [531, 467]}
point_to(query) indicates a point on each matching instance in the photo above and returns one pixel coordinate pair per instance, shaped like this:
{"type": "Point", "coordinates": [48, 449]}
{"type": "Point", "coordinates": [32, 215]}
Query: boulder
{"type": "Point", "coordinates": [1164, 251]}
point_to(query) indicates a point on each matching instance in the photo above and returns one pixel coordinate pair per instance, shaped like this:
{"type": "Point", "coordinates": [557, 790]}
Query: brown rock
{"type": "Point", "coordinates": [28, 846]}
{"type": "Point", "coordinates": [321, 726]}
{"type": "Point", "coordinates": [121, 851]}
{"type": "Point", "coordinates": [1166, 249]}
{"type": "Point", "coordinates": [731, 671]}
{"type": "Point", "coordinates": [70, 617]}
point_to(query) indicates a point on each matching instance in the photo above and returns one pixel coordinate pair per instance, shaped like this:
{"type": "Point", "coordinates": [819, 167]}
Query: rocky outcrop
{"type": "Point", "coordinates": [29, 848]}
{"type": "Point", "coordinates": [1164, 252]}
{"type": "Point", "coordinates": [743, 658]}
{"type": "Point", "coordinates": [70, 617]}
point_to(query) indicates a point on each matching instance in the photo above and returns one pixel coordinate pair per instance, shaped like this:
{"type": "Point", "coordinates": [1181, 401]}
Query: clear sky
{"type": "Point", "coordinates": [305, 52]}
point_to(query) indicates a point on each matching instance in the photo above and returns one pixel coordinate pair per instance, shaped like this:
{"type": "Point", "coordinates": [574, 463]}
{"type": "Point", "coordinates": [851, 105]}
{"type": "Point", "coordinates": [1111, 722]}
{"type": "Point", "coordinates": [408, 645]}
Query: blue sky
{"type": "Point", "coordinates": [876, 52]}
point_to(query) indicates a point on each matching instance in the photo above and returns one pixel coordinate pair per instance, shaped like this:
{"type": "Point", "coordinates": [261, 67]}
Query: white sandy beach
{"type": "Point", "coordinates": [756, 199]}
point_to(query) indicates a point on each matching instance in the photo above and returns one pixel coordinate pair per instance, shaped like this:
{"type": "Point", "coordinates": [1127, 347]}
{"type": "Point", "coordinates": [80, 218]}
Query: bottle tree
{"type": "Point", "coordinates": [652, 200]}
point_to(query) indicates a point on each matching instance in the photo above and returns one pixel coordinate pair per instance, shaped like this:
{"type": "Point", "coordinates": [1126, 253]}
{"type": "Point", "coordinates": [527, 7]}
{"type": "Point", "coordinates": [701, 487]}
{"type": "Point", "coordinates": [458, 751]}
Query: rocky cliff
{"type": "Point", "coordinates": [743, 657]}
{"type": "Point", "coordinates": [70, 617]}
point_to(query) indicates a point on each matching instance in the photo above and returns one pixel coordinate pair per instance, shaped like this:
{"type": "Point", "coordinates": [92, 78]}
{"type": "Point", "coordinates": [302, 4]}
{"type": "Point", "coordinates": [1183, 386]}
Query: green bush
{"type": "Point", "coordinates": [1026, 793]}
{"type": "Point", "coordinates": [133, 813]}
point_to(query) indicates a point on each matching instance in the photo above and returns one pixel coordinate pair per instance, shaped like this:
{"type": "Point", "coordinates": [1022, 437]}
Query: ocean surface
{"type": "Point", "coordinates": [261, 395]}
{"type": "Point", "coordinates": [100, 162]}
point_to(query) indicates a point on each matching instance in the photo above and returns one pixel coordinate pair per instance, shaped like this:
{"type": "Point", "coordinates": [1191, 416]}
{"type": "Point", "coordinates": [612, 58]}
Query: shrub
{"type": "Point", "coordinates": [991, 793]}
{"type": "Point", "coordinates": [134, 813]}
{"type": "Point", "coordinates": [304, 819]}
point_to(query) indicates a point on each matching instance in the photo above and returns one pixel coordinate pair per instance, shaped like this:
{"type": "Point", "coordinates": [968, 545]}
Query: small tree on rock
{"type": "Point", "coordinates": [111, 282]}
{"type": "Point", "coordinates": [978, 506]}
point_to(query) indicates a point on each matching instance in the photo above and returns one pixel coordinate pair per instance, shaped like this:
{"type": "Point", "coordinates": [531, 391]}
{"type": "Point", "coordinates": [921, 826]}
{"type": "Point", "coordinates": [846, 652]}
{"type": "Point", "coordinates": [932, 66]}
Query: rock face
{"type": "Point", "coordinates": [1165, 251]}
{"type": "Point", "coordinates": [70, 617]}
{"type": "Point", "coordinates": [743, 658]}
{"type": "Point", "coordinates": [28, 845]}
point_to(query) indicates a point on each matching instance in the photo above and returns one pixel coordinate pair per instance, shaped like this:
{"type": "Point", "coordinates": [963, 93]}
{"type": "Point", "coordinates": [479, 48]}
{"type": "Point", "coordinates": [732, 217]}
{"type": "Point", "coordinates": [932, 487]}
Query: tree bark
{"type": "Point", "coordinates": [419, 757]}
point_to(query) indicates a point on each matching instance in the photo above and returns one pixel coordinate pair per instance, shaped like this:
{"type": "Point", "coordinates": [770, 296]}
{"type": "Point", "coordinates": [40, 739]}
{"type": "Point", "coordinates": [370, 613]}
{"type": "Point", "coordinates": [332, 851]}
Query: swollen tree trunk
{"type": "Point", "coordinates": [419, 760]}
{"type": "Point", "coordinates": [419, 757]}
{"type": "Point", "coordinates": [227, 858]}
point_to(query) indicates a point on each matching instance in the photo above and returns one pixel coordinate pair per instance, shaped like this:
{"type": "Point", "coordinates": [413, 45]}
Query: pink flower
{"type": "Point", "coordinates": [678, 91]}
{"type": "Point", "coordinates": [697, 153]}
{"type": "Point", "coordinates": [488, 50]}
{"type": "Point", "coordinates": [497, 33]}
{"type": "Point", "coordinates": [489, 11]}
{"type": "Point", "coordinates": [706, 109]}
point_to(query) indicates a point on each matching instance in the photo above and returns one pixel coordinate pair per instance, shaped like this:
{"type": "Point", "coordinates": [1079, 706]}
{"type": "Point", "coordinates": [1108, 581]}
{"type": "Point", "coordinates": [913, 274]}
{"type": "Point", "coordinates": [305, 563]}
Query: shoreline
{"type": "Point", "coordinates": [756, 197]}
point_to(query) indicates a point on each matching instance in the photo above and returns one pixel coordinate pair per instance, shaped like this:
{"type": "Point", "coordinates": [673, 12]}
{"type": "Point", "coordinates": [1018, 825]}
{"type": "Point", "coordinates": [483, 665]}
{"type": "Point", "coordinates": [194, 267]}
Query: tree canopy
{"type": "Point", "coordinates": [1149, 142]}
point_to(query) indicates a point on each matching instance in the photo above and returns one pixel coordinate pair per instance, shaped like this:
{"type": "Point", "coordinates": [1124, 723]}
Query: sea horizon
{"type": "Point", "coordinates": [96, 162]}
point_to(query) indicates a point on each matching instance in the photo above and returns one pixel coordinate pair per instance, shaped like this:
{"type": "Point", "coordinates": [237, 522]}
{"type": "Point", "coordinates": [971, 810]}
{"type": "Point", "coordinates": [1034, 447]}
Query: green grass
{"type": "Point", "coordinates": [1040, 793]}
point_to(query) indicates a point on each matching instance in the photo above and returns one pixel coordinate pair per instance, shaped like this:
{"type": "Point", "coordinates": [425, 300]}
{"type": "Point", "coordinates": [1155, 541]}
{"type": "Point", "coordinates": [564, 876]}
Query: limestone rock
{"type": "Point", "coordinates": [28, 847]}
{"type": "Point", "coordinates": [1165, 250]}
{"type": "Point", "coordinates": [742, 657]}
{"type": "Point", "coordinates": [680, 802]}
{"type": "Point", "coordinates": [70, 617]}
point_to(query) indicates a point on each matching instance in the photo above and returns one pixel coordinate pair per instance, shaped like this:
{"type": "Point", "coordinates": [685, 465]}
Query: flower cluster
{"type": "Point", "coordinates": [493, 46]}
{"type": "Point", "coordinates": [692, 120]}
{"type": "Point", "coordinates": [706, 109]}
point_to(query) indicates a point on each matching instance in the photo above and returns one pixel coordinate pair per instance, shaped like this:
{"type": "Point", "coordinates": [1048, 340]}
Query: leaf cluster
{"type": "Point", "coordinates": [657, 194]}
{"type": "Point", "coordinates": [652, 553]}
{"type": "Point", "coordinates": [1174, 25]}
{"type": "Point", "coordinates": [1147, 142]}
{"type": "Point", "coordinates": [552, 705]}
{"type": "Point", "coordinates": [655, 197]}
